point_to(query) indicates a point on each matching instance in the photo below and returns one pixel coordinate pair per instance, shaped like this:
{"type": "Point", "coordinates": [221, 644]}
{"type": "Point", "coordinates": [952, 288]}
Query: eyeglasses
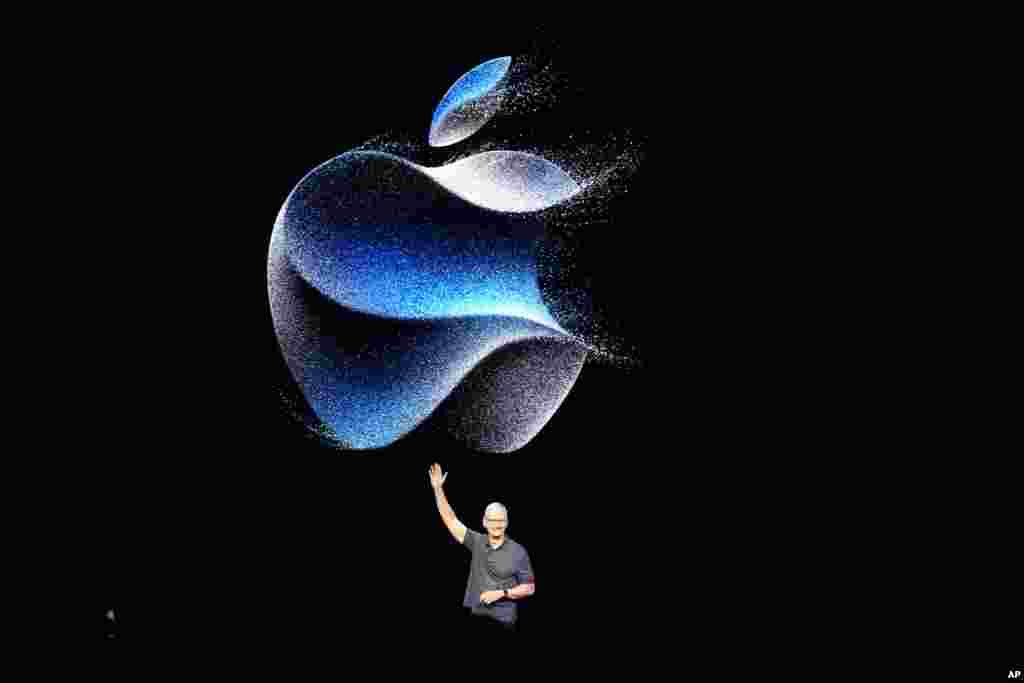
{"type": "Point", "coordinates": [496, 521]}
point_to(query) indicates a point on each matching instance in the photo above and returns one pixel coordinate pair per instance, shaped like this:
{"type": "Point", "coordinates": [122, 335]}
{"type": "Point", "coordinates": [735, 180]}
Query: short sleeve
{"type": "Point", "coordinates": [470, 540]}
{"type": "Point", "coordinates": [524, 570]}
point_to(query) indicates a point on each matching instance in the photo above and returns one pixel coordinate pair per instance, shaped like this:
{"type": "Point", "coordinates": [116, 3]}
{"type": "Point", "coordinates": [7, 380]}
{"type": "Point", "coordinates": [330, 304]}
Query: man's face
{"type": "Point", "coordinates": [495, 523]}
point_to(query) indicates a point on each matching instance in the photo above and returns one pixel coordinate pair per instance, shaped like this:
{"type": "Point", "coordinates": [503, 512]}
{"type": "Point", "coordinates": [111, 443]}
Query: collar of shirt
{"type": "Point", "coordinates": [490, 547]}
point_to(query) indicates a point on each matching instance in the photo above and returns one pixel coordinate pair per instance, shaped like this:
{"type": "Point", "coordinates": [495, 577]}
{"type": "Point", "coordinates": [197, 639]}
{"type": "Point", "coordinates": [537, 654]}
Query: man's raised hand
{"type": "Point", "coordinates": [436, 478]}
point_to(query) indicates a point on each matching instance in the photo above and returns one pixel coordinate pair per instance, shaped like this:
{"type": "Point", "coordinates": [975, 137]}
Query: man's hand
{"type": "Point", "coordinates": [487, 597]}
{"type": "Point", "coordinates": [436, 478]}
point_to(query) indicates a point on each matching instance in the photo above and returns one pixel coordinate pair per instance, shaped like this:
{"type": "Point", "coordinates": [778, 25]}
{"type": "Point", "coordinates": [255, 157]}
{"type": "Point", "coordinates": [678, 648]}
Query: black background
{"type": "Point", "coordinates": [739, 496]}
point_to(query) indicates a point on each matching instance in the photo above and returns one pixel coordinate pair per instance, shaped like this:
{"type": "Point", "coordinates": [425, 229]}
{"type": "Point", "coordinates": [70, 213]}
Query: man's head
{"type": "Point", "coordinates": [495, 520]}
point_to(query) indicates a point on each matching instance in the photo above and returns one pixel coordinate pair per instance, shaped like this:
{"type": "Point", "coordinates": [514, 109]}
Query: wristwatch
{"type": "Point", "coordinates": [506, 592]}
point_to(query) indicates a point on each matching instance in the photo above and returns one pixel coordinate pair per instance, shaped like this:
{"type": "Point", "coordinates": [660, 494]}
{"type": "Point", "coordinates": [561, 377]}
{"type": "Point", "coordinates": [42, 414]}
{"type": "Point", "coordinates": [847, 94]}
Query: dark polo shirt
{"type": "Point", "coordinates": [495, 569]}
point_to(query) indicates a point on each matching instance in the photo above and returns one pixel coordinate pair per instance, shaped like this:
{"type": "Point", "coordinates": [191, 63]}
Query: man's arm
{"type": "Point", "coordinates": [457, 528]}
{"type": "Point", "coordinates": [525, 578]}
{"type": "Point", "coordinates": [523, 590]}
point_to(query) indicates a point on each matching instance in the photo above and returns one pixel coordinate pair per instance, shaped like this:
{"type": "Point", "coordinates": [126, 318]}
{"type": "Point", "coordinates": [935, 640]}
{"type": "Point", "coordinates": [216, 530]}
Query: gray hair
{"type": "Point", "coordinates": [496, 507]}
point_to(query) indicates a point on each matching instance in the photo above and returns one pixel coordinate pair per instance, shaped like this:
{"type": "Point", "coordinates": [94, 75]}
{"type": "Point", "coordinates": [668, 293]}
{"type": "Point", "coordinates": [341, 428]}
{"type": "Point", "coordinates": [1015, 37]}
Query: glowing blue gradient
{"type": "Point", "coordinates": [387, 290]}
{"type": "Point", "coordinates": [406, 272]}
{"type": "Point", "coordinates": [375, 398]}
{"type": "Point", "coordinates": [473, 85]}
{"type": "Point", "coordinates": [411, 271]}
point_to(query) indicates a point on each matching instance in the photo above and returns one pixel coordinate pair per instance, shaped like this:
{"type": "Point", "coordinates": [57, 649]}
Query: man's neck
{"type": "Point", "coordinates": [495, 544]}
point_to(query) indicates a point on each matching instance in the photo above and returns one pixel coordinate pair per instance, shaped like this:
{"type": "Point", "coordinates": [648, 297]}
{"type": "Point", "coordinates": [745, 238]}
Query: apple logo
{"type": "Point", "coordinates": [402, 293]}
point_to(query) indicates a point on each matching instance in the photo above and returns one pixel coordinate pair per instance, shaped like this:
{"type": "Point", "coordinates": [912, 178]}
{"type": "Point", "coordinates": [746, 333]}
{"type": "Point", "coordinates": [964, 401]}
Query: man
{"type": "Point", "coordinates": [500, 572]}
